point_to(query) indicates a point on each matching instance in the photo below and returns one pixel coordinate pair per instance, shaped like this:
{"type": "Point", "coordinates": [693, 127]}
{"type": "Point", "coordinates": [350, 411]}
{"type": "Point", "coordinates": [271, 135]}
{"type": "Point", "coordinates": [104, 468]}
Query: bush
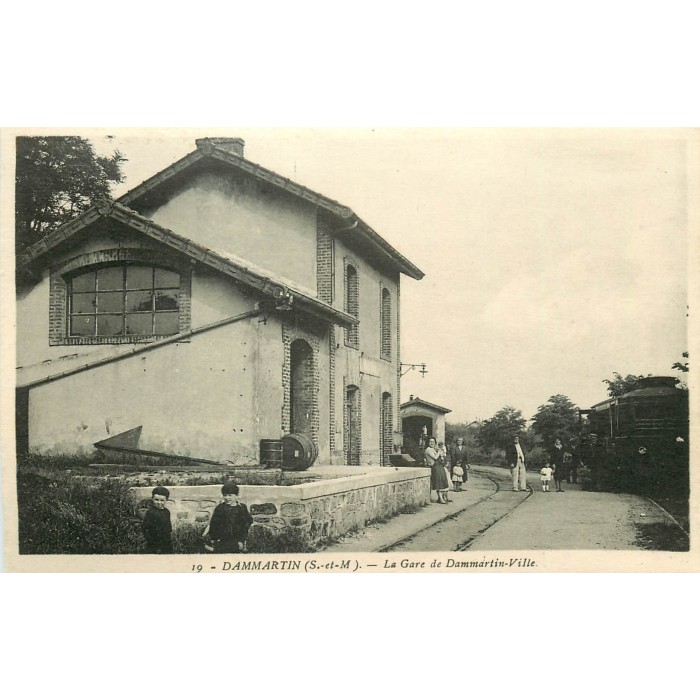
{"type": "Point", "coordinates": [60, 515]}
{"type": "Point", "coordinates": [537, 457]}
{"type": "Point", "coordinates": [262, 540]}
{"type": "Point", "coordinates": [497, 458]}
{"type": "Point", "coordinates": [187, 538]}
{"type": "Point", "coordinates": [53, 462]}
{"type": "Point", "coordinates": [478, 457]}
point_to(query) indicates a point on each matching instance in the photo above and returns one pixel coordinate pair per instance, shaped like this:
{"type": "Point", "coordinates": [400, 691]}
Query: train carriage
{"type": "Point", "coordinates": [638, 441]}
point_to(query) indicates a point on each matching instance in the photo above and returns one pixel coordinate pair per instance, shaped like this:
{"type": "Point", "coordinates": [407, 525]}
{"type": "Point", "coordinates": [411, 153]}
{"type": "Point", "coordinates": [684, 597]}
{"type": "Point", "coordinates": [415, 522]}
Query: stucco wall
{"type": "Point", "coordinates": [192, 398]}
{"type": "Point", "coordinates": [214, 396]}
{"type": "Point", "coordinates": [252, 220]}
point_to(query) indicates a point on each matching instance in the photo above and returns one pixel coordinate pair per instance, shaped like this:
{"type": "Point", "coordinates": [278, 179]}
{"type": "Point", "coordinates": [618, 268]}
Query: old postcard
{"type": "Point", "coordinates": [357, 350]}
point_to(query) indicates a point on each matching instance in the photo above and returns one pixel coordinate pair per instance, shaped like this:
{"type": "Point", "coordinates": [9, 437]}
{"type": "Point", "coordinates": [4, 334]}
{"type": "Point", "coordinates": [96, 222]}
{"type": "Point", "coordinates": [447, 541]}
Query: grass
{"type": "Point", "coordinates": [60, 515]}
{"type": "Point", "coordinates": [664, 537]}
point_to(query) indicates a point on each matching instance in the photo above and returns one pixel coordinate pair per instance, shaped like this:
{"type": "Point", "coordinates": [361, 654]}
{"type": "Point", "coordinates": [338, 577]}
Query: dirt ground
{"type": "Point", "coordinates": [578, 519]}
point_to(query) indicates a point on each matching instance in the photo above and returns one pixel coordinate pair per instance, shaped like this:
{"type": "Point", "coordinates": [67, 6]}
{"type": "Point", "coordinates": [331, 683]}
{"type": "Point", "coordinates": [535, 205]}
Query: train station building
{"type": "Point", "coordinates": [215, 305]}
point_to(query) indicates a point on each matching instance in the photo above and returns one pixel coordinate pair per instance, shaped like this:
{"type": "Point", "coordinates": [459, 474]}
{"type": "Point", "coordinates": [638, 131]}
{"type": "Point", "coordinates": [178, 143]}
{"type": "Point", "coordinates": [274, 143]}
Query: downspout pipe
{"type": "Point", "coordinates": [144, 348]}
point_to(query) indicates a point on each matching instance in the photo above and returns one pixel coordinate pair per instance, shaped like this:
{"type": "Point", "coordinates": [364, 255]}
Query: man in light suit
{"type": "Point", "coordinates": [515, 459]}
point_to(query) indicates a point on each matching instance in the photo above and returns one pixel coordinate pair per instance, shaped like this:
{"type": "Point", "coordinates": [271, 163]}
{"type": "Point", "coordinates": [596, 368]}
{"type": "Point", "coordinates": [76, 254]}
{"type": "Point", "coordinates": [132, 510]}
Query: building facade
{"type": "Point", "coordinates": [421, 420]}
{"type": "Point", "coordinates": [214, 305]}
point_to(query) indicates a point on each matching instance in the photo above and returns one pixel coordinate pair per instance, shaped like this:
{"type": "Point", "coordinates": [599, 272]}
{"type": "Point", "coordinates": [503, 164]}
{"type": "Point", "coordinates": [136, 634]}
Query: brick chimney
{"type": "Point", "coordinates": [233, 145]}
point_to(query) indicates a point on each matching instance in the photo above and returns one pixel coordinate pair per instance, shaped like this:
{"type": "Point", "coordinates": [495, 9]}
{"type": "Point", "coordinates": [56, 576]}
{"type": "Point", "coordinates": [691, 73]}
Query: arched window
{"type": "Point", "coordinates": [385, 315]}
{"type": "Point", "coordinates": [123, 300]}
{"type": "Point", "coordinates": [352, 304]}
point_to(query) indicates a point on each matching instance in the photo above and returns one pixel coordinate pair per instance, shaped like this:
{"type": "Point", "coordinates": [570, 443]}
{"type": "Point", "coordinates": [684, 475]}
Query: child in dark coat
{"type": "Point", "coordinates": [230, 521]}
{"type": "Point", "coordinates": [156, 525]}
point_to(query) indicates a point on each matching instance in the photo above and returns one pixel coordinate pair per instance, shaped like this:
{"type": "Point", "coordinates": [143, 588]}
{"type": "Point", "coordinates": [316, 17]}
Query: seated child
{"type": "Point", "coordinates": [230, 521]}
{"type": "Point", "coordinates": [156, 525]}
{"type": "Point", "coordinates": [546, 473]}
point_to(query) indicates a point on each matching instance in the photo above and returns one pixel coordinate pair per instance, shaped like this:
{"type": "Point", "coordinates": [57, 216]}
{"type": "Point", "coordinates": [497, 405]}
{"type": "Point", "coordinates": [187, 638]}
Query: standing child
{"type": "Point", "coordinates": [546, 473]}
{"type": "Point", "coordinates": [230, 521]}
{"type": "Point", "coordinates": [457, 477]}
{"type": "Point", "coordinates": [156, 525]}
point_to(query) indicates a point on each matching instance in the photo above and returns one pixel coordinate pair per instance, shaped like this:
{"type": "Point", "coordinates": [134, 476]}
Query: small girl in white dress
{"type": "Point", "coordinates": [546, 473]}
{"type": "Point", "coordinates": [457, 477]}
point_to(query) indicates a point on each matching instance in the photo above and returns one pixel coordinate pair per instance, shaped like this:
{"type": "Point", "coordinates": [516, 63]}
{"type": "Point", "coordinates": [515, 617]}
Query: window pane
{"type": "Point", "coordinates": [139, 301]}
{"type": "Point", "coordinates": [83, 304]}
{"type": "Point", "coordinates": [139, 277]}
{"type": "Point", "coordinates": [139, 324]}
{"type": "Point", "coordinates": [165, 278]}
{"type": "Point", "coordinates": [110, 301]}
{"type": "Point", "coordinates": [109, 325]}
{"type": "Point", "coordinates": [166, 301]}
{"type": "Point", "coordinates": [82, 325]}
{"type": "Point", "coordinates": [84, 282]}
{"type": "Point", "coordinates": [110, 278]}
{"type": "Point", "coordinates": [167, 324]}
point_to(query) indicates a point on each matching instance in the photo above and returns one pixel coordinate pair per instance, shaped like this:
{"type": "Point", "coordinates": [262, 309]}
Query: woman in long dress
{"type": "Point", "coordinates": [438, 475]}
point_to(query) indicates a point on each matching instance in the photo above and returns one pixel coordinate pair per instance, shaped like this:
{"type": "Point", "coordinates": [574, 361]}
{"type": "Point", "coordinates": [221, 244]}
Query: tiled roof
{"type": "Point", "coordinates": [209, 149]}
{"type": "Point", "coordinates": [267, 284]}
{"type": "Point", "coordinates": [420, 402]}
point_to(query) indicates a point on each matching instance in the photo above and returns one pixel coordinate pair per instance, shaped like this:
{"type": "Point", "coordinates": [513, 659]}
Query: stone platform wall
{"type": "Point", "coordinates": [343, 499]}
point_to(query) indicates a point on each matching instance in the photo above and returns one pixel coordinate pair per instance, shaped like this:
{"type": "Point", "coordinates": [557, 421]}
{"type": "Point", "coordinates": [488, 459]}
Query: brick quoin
{"type": "Point", "coordinates": [309, 382]}
{"type": "Point", "coordinates": [399, 427]}
{"type": "Point", "coordinates": [325, 256]}
{"type": "Point", "coordinates": [387, 427]}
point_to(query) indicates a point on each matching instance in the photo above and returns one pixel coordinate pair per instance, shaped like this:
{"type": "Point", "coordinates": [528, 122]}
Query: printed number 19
{"type": "Point", "coordinates": [196, 567]}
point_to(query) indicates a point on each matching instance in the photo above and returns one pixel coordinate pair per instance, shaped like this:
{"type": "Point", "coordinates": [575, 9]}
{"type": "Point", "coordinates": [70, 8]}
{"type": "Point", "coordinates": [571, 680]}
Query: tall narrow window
{"type": "Point", "coordinates": [385, 315]}
{"type": "Point", "coordinates": [124, 300]}
{"type": "Point", "coordinates": [352, 304]}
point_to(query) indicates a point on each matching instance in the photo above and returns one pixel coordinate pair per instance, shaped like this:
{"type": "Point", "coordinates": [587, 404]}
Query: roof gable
{"type": "Point", "coordinates": [350, 224]}
{"type": "Point", "coordinates": [284, 295]}
{"type": "Point", "coordinates": [427, 404]}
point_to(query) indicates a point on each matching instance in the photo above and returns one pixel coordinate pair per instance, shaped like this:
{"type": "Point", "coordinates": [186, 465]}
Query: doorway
{"type": "Point", "coordinates": [302, 395]}
{"type": "Point", "coordinates": [352, 439]}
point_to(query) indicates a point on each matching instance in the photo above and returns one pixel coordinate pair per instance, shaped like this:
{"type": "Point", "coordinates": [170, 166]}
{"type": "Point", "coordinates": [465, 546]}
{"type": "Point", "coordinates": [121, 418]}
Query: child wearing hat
{"type": "Point", "coordinates": [230, 521]}
{"type": "Point", "coordinates": [156, 526]}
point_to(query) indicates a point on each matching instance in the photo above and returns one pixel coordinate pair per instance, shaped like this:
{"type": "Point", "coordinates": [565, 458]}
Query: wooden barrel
{"type": "Point", "coordinates": [271, 453]}
{"type": "Point", "coordinates": [298, 452]}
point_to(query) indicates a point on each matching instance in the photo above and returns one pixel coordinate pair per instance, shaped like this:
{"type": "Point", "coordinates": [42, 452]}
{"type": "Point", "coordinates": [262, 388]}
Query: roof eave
{"type": "Point", "coordinates": [266, 285]}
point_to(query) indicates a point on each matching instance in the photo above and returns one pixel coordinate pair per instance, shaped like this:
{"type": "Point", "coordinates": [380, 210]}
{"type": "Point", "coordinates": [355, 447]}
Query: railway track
{"type": "Point", "coordinates": [457, 532]}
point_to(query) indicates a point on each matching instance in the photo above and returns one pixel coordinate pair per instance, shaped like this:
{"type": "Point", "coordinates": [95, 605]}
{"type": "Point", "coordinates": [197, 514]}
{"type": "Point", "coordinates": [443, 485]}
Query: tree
{"type": "Point", "coordinates": [467, 431]}
{"type": "Point", "coordinates": [682, 366]}
{"type": "Point", "coordinates": [621, 385]}
{"type": "Point", "coordinates": [558, 417]}
{"type": "Point", "coordinates": [498, 431]}
{"type": "Point", "coordinates": [57, 178]}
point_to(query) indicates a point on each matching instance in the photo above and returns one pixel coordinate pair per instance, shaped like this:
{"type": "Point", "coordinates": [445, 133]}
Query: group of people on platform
{"type": "Point", "coordinates": [449, 468]}
{"type": "Point", "coordinates": [561, 465]}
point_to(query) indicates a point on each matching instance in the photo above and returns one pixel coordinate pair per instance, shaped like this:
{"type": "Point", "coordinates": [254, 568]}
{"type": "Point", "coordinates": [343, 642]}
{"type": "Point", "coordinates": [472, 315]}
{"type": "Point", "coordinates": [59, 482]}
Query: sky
{"type": "Point", "coordinates": [552, 257]}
